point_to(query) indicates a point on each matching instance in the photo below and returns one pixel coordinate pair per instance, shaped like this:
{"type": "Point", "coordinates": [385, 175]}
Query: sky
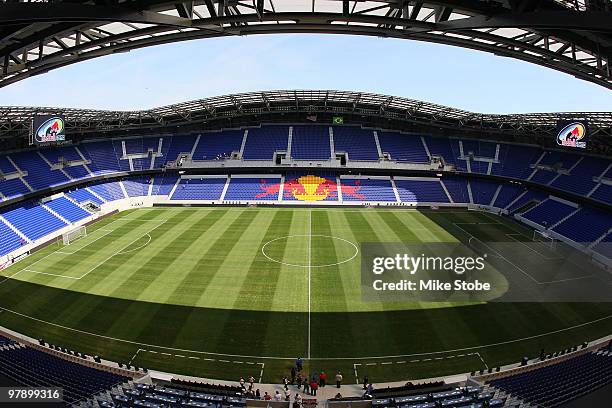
{"type": "Point", "coordinates": [171, 73]}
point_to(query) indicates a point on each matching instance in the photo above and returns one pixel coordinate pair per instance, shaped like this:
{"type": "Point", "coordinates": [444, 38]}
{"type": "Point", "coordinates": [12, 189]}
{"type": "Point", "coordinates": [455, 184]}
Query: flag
{"type": "Point", "coordinates": [338, 120]}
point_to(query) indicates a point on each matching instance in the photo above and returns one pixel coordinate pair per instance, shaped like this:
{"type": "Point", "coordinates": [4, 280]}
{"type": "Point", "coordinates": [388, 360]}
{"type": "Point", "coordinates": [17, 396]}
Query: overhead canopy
{"type": "Point", "coordinates": [17, 121]}
{"type": "Point", "coordinates": [571, 36]}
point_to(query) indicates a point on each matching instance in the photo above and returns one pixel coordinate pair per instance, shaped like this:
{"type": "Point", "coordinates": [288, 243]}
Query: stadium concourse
{"type": "Point", "coordinates": [204, 256]}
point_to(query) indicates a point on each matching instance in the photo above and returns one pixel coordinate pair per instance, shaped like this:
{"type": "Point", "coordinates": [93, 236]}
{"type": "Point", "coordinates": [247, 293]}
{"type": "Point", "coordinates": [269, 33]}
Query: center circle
{"type": "Point", "coordinates": [274, 249]}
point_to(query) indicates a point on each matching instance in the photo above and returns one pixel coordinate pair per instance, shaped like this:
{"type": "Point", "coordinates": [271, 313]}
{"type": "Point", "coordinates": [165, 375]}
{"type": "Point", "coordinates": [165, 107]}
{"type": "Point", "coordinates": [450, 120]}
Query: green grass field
{"type": "Point", "coordinates": [221, 292]}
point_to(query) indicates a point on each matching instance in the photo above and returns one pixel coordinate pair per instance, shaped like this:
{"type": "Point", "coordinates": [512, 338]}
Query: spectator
{"type": "Point", "coordinates": [338, 396]}
{"type": "Point", "coordinates": [322, 379]}
{"type": "Point", "coordinates": [287, 395]}
{"type": "Point", "coordinates": [242, 382]}
{"type": "Point", "coordinates": [366, 381]}
{"type": "Point", "coordinates": [299, 363]}
{"type": "Point", "coordinates": [267, 396]}
{"type": "Point", "coordinates": [277, 396]}
{"type": "Point", "coordinates": [306, 386]}
{"type": "Point", "coordinates": [313, 388]}
{"type": "Point", "coordinates": [338, 379]}
{"type": "Point", "coordinates": [297, 402]}
{"type": "Point", "coordinates": [286, 383]}
{"type": "Point", "coordinates": [257, 394]}
{"type": "Point", "coordinates": [299, 380]}
{"type": "Point", "coordinates": [252, 381]}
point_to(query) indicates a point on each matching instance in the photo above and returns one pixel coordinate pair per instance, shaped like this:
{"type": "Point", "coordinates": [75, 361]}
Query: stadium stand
{"type": "Point", "coordinates": [483, 191]}
{"type": "Point", "coordinates": [524, 199]}
{"type": "Point", "coordinates": [549, 212]}
{"type": "Point", "coordinates": [109, 191]}
{"type": "Point", "coordinates": [40, 175]}
{"type": "Point", "coordinates": [9, 240]}
{"type": "Point", "coordinates": [560, 383]}
{"type": "Point", "coordinates": [102, 155]}
{"type": "Point", "coordinates": [137, 186]}
{"type": "Point", "coordinates": [310, 143]}
{"type": "Point", "coordinates": [441, 147]}
{"type": "Point", "coordinates": [585, 226]}
{"type": "Point", "coordinates": [199, 188]}
{"type": "Point", "coordinates": [358, 143]}
{"type": "Point", "coordinates": [173, 147]}
{"type": "Point", "coordinates": [457, 188]}
{"type": "Point", "coordinates": [542, 176]}
{"type": "Point", "coordinates": [421, 191]}
{"type": "Point", "coordinates": [163, 184]}
{"type": "Point", "coordinates": [82, 195]}
{"type": "Point", "coordinates": [320, 185]}
{"type": "Point", "coordinates": [367, 189]}
{"type": "Point", "coordinates": [603, 193]}
{"type": "Point", "coordinates": [33, 220]}
{"type": "Point", "coordinates": [507, 194]}
{"type": "Point", "coordinates": [262, 142]}
{"type": "Point", "coordinates": [218, 145]}
{"type": "Point", "coordinates": [35, 368]}
{"type": "Point", "coordinates": [13, 188]}
{"type": "Point", "coordinates": [252, 188]}
{"type": "Point", "coordinates": [67, 209]}
{"type": "Point", "coordinates": [403, 148]}
{"type": "Point", "coordinates": [514, 161]}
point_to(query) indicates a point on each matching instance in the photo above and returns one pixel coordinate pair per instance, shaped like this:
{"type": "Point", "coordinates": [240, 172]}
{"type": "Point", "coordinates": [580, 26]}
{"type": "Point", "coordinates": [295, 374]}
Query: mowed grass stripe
{"type": "Point", "coordinates": [224, 287]}
{"type": "Point", "coordinates": [260, 284]}
{"type": "Point", "coordinates": [328, 290]}
{"type": "Point", "coordinates": [209, 264]}
{"type": "Point", "coordinates": [35, 302]}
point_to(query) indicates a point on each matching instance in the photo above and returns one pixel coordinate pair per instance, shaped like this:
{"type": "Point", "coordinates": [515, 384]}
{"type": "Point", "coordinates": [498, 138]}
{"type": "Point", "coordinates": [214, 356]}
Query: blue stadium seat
{"type": "Point", "coordinates": [358, 143]}
{"type": "Point", "coordinates": [199, 189]}
{"type": "Point", "coordinates": [67, 209]}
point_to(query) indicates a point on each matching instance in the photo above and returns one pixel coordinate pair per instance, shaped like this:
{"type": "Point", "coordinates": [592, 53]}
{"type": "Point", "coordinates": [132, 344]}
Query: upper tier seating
{"type": "Point", "coordinates": [403, 148]}
{"type": "Point", "coordinates": [262, 142]}
{"type": "Point", "coordinates": [358, 143]}
{"type": "Point", "coordinates": [103, 156]}
{"type": "Point", "coordinates": [206, 188]}
{"type": "Point", "coordinates": [549, 212]}
{"type": "Point", "coordinates": [77, 172]}
{"type": "Point", "coordinates": [13, 188]}
{"type": "Point", "coordinates": [252, 188]}
{"type": "Point", "coordinates": [421, 191]}
{"type": "Point", "coordinates": [543, 176]}
{"type": "Point", "coordinates": [514, 161]}
{"type": "Point", "coordinates": [33, 220]}
{"type": "Point", "coordinates": [554, 158]}
{"type": "Point", "coordinates": [174, 146]}
{"type": "Point", "coordinates": [40, 175]}
{"type": "Point", "coordinates": [68, 153]}
{"type": "Point", "coordinates": [67, 209]}
{"type": "Point", "coordinates": [300, 186]}
{"type": "Point", "coordinates": [5, 165]}
{"type": "Point", "coordinates": [310, 143]}
{"type": "Point", "coordinates": [580, 181]}
{"type": "Point", "coordinates": [585, 226]}
{"type": "Point", "coordinates": [216, 146]}
{"type": "Point", "coordinates": [560, 383]}
{"type": "Point", "coordinates": [34, 368]}
{"type": "Point", "coordinates": [367, 189]}
{"type": "Point", "coordinates": [441, 147]}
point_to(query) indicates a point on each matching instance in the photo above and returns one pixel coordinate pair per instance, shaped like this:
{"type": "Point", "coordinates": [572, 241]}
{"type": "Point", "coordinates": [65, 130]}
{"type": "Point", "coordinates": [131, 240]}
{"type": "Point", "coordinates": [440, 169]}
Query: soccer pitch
{"type": "Point", "coordinates": [224, 291]}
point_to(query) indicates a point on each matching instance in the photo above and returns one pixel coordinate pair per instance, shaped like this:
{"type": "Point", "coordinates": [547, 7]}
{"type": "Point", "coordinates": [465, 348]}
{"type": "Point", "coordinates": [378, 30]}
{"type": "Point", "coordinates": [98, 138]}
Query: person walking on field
{"type": "Point", "coordinates": [322, 379]}
{"type": "Point", "coordinates": [338, 379]}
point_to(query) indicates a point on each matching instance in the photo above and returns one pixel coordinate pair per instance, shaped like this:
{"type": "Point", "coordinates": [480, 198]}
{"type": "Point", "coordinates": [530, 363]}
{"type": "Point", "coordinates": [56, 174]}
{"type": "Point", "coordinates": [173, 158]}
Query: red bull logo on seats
{"type": "Point", "coordinates": [310, 188]}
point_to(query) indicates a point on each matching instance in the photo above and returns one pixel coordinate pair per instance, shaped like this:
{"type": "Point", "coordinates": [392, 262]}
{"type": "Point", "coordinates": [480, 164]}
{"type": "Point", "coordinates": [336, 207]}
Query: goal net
{"type": "Point", "coordinates": [545, 238]}
{"type": "Point", "coordinates": [74, 234]}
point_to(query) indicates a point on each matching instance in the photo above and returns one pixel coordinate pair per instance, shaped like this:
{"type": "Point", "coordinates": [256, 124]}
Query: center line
{"type": "Point", "coordinates": [309, 269]}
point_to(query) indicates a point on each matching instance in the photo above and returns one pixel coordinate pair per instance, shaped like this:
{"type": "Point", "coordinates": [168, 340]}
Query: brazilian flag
{"type": "Point", "coordinates": [338, 120]}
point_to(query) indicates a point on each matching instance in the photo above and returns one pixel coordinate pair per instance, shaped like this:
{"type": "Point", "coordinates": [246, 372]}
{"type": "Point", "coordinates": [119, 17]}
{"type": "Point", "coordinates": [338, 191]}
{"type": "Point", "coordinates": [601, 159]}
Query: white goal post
{"type": "Point", "coordinates": [74, 234]}
{"type": "Point", "coordinates": [545, 238]}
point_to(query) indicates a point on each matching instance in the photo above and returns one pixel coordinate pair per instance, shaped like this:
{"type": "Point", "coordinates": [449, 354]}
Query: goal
{"type": "Point", "coordinates": [545, 238]}
{"type": "Point", "coordinates": [74, 234]}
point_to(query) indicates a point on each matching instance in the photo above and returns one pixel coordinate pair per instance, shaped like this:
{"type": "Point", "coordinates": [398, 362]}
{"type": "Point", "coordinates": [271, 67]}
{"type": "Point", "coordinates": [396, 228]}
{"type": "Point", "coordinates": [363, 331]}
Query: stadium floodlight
{"type": "Point", "coordinates": [74, 234]}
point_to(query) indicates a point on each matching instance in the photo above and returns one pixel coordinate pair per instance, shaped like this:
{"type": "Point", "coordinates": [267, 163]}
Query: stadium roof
{"type": "Point", "coordinates": [17, 121]}
{"type": "Point", "coordinates": [572, 36]}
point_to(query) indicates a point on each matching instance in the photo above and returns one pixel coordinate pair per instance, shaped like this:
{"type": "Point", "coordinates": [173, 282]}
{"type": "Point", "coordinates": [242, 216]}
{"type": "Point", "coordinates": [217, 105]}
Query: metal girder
{"type": "Point", "coordinates": [16, 121]}
{"type": "Point", "coordinates": [574, 37]}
